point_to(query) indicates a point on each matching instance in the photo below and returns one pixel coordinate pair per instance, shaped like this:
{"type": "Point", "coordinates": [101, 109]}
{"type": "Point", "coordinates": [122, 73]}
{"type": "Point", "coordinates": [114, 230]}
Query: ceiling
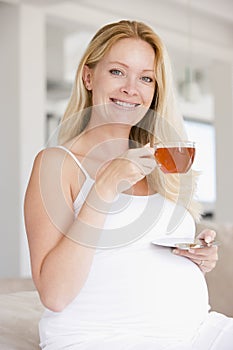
{"type": "Point", "coordinates": [218, 8]}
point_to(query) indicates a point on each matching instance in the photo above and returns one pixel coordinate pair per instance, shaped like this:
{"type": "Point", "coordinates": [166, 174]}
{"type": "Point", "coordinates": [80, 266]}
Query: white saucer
{"type": "Point", "coordinates": [171, 241]}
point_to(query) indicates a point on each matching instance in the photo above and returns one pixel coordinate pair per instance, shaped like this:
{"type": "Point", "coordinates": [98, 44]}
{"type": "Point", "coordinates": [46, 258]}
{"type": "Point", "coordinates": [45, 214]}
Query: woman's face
{"type": "Point", "coordinates": [123, 80]}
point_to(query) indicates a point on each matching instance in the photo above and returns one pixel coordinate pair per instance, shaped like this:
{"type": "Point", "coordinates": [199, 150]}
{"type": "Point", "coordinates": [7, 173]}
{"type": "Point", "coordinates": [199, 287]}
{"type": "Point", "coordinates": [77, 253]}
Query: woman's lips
{"type": "Point", "coordinates": [124, 103]}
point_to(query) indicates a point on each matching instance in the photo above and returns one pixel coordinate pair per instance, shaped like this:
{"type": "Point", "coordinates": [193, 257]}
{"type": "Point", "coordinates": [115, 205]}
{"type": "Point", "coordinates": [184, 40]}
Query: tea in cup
{"type": "Point", "coordinates": [175, 157]}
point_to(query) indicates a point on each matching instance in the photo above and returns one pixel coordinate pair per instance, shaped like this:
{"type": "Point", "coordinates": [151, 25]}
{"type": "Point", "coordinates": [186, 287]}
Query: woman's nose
{"type": "Point", "coordinates": [129, 87]}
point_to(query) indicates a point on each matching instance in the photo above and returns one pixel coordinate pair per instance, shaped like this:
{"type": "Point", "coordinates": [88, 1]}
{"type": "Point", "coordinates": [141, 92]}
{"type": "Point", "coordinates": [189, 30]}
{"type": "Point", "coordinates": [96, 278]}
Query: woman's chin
{"type": "Point", "coordinates": [123, 115]}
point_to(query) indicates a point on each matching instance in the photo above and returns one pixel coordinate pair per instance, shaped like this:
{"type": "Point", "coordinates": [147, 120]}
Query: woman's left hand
{"type": "Point", "coordinates": [206, 257]}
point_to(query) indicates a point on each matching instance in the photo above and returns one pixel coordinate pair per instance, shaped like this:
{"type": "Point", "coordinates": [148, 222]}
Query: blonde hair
{"type": "Point", "coordinates": [163, 122]}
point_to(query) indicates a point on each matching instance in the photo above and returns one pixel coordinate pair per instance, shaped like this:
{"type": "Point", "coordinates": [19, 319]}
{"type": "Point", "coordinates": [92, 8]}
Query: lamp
{"type": "Point", "coordinates": [190, 88]}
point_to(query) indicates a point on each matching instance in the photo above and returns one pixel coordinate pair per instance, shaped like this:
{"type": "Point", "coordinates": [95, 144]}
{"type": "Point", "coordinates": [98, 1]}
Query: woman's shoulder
{"type": "Point", "coordinates": [56, 155]}
{"type": "Point", "coordinates": [48, 153]}
{"type": "Point", "coordinates": [54, 164]}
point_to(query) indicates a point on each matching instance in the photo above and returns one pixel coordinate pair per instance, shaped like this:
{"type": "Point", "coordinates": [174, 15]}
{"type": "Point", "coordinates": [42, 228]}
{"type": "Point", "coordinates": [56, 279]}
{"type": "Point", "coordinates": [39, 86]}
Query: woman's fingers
{"type": "Point", "coordinates": [124, 171]}
{"type": "Point", "coordinates": [206, 258]}
{"type": "Point", "coordinates": [142, 158]}
{"type": "Point", "coordinates": [207, 235]}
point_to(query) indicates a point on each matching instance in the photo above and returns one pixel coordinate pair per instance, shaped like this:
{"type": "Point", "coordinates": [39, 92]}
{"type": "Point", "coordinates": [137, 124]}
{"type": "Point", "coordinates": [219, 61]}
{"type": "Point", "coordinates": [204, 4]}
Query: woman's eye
{"type": "Point", "coordinates": [147, 79]}
{"type": "Point", "coordinates": [116, 72]}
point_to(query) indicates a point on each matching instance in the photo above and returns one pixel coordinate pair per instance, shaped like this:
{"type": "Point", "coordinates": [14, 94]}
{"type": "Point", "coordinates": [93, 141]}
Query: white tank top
{"type": "Point", "coordinates": [135, 286]}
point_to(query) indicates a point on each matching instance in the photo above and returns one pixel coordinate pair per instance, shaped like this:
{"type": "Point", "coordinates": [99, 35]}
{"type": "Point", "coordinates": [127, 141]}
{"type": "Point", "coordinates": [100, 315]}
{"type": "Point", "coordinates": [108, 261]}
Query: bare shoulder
{"type": "Point", "coordinates": [54, 167]}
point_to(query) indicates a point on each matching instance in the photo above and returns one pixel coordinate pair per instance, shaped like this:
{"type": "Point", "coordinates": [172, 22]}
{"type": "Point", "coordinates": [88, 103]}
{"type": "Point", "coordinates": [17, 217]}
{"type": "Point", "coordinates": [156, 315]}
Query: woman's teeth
{"type": "Point", "coordinates": [125, 104]}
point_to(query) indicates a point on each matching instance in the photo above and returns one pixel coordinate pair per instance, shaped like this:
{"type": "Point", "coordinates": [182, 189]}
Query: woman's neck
{"type": "Point", "coordinates": [110, 140]}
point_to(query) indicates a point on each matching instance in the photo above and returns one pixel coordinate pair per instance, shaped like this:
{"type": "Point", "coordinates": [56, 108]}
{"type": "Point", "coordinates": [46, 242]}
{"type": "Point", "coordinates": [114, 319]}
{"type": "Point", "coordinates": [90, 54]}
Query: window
{"type": "Point", "coordinates": [203, 134]}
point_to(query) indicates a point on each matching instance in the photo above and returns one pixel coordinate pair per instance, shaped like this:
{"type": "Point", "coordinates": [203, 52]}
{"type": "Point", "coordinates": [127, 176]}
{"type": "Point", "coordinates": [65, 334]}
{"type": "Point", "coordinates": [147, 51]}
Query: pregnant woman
{"type": "Point", "coordinates": [96, 202]}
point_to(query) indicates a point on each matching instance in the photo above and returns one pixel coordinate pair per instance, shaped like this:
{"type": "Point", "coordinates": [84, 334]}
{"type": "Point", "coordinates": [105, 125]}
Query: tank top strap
{"type": "Point", "coordinates": [76, 161]}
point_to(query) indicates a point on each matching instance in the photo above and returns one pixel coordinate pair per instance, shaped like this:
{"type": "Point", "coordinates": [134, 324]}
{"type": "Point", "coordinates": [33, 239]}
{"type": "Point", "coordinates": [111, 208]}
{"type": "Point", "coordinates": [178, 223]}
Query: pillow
{"type": "Point", "coordinates": [219, 280]}
{"type": "Point", "coordinates": [19, 317]}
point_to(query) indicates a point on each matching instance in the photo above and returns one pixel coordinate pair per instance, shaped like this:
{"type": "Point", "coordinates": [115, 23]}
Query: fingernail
{"type": "Point", "coordinates": [192, 251]}
{"type": "Point", "coordinates": [208, 239]}
{"type": "Point", "coordinates": [151, 150]}
{"type": "Point", "coordinates": [147, 145]}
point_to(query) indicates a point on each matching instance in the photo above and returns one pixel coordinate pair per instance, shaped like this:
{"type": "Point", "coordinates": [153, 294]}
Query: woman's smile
{"type": "Point", "coordinates": [124, 104]}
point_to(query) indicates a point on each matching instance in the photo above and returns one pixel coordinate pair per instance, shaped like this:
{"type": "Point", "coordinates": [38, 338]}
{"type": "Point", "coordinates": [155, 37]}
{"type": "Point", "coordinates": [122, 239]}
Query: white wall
{"type": "Point", "coordinates": [32, 92]}
{"type": "Point", "coordinates": [22, 94]}
{"type": "Point", "coordinates": [9, 142]}
{"type": "Point", "coordinates": [222, 79]}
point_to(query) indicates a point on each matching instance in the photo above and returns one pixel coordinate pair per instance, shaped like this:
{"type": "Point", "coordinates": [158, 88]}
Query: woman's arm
{"type": "Point", "coordinates": [60, 264]}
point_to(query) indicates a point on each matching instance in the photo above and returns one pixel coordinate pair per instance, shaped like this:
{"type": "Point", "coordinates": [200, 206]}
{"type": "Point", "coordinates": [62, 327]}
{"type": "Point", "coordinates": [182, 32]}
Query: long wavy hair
{"type": "Point", "coordinates": [163, 121]}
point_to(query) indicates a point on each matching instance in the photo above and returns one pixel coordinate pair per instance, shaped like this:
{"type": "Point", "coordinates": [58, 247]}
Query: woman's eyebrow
{"type": "Point", "coordinates": [125, 65]}
{"type": "Point", "coordinates": [119, 63]}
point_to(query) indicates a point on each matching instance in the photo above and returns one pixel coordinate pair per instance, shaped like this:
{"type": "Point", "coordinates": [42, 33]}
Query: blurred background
{"type": "Point", "coordinates": [41, 43]}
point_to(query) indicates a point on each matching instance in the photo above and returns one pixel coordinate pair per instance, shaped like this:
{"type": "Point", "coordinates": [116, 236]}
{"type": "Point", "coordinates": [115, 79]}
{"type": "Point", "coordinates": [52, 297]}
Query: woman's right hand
{"type": "Point", "coordinates": [124, 171]}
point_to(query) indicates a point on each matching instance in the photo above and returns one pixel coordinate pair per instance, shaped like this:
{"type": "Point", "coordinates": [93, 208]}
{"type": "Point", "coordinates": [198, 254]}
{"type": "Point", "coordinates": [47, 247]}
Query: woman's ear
{"type": "Point", "coordinates": [87, 77]}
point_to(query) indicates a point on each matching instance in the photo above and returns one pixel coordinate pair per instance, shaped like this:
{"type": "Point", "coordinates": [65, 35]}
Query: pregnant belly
{"type": "Point", "coordinates": [174, 293]}
{"type": "Point", "coordinates": [153, 292]}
